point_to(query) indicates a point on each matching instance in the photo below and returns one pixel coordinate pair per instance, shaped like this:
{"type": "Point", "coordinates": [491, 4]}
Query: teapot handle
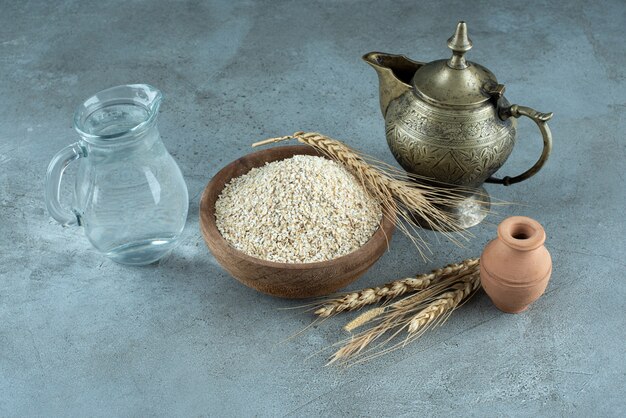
{"type": "Point", "coordinates": [53, 183]}
{"type": "Point", "coordinates": [541, 120]}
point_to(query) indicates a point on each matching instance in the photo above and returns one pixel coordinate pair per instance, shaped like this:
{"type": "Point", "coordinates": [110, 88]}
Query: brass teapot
{"type": "Point", "coordinates": [448, 121]}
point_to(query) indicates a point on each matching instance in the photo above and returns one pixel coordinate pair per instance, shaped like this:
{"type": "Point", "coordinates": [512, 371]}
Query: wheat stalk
{"type": "Point", "coordinates": [446, 303]}
{"type": "Point", "coordinates": [359, 342]}
{"type": "Point", "coordinates": [361, 298]}
{"type": "Point", "coordinates": [401, 196]}
{"type": "Point", "coordinates": [415, 313]}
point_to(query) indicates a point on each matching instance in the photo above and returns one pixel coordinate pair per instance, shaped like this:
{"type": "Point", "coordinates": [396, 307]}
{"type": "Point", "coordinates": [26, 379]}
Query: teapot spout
{"type": "Point", "coordinates": [394, 75]}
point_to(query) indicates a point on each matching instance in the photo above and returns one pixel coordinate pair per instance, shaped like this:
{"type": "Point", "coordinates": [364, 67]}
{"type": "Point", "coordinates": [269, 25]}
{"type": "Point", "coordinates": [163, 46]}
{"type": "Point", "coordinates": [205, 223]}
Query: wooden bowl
{"type": "Point", "coordinates": [287, 280]}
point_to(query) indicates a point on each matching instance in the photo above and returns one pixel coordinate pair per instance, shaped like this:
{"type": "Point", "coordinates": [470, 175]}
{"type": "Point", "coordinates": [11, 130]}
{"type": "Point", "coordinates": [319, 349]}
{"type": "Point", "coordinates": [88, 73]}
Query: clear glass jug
{"type": "Point", "coordinates": [129, 196]}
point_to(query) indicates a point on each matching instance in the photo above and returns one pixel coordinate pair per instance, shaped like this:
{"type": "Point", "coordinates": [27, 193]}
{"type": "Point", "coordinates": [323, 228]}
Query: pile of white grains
{"type": "Point", "coordinates": [299, 210]}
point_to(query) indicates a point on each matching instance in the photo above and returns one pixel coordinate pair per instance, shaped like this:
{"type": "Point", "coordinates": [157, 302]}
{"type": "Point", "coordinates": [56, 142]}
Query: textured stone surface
{"type": "Point", "coordinates": [81, 335]}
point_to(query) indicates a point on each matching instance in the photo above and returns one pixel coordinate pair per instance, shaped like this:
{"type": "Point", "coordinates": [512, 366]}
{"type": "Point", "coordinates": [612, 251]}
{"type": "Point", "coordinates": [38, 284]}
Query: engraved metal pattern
{"type": "Point", "coordinates": [462, 150]}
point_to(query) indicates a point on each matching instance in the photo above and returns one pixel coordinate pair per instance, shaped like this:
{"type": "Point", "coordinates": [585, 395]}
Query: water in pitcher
{"type": "Point", "coordinates": [130, 195]}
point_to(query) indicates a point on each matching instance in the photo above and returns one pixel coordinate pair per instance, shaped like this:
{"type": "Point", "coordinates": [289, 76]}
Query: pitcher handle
{"type": "Point", "coordinates": [53, 183]}
{"type": "Point", "coordinates": [541, 119]}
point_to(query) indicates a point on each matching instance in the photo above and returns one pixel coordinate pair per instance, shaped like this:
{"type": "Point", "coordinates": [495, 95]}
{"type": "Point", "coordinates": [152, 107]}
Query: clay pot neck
{"type": "Point", "coordinates": [521, 233]}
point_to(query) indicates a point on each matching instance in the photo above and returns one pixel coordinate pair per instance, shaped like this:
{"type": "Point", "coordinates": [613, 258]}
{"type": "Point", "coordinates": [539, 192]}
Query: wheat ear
{"type": "Point", "coordinates": [364, 318]}
{"type": "Point", "coordinates": [417, 313]}
{"type": "Point", "coordinates": [359, 299]}
{"type": "Point", "coordinates": [445, 304]}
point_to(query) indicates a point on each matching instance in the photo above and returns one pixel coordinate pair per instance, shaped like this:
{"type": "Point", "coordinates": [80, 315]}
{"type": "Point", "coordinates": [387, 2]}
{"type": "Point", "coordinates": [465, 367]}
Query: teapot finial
{"type": "Point", "coordinates": [459, 43]}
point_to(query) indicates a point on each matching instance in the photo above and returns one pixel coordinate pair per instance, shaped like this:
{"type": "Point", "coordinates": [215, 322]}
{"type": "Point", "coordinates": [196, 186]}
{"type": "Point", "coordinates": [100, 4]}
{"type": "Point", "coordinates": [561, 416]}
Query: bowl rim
{"type": "Point", "coordinates": [385, 227]}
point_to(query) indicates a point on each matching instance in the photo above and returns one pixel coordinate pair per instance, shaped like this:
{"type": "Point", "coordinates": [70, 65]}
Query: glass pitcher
{"type": "Point", "coordinates": [129, 196]}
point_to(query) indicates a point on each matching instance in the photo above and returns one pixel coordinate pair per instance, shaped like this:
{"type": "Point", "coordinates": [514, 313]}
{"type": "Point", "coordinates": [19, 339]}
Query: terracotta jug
{"type": "Point", "coordinates": [516, 266]}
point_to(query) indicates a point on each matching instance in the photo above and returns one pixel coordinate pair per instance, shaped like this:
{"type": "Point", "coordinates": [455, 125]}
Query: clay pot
{"type": "Point", "coordinates": [516, 266]}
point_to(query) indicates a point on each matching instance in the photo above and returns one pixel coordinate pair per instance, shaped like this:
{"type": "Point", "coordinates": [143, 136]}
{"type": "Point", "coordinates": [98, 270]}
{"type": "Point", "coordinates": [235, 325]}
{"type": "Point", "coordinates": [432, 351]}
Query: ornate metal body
{"type": "Point", "coordinates": [447, 120]}
{"type": "Point", "coordinates": [449, 147]}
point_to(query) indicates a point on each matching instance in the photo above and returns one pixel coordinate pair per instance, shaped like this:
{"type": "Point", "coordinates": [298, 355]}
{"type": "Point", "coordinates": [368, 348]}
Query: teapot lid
{"type": "Point", "coordinates": [456, 81]}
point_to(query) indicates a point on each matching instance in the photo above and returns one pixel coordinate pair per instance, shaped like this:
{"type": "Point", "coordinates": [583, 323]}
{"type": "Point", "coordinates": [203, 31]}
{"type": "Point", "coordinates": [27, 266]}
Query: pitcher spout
{"type": "Point", "coordinates": [118, 113]}
{"type": "Point", "coordinates": [394, 75]}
